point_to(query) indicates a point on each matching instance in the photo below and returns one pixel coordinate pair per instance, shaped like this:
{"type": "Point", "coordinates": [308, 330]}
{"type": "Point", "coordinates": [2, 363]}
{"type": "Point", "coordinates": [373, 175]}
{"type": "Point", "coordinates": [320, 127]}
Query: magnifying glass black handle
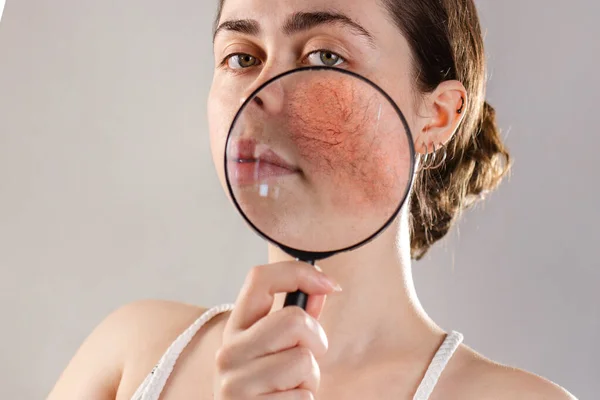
{"type": "Point", "coordinates": [298, 298]}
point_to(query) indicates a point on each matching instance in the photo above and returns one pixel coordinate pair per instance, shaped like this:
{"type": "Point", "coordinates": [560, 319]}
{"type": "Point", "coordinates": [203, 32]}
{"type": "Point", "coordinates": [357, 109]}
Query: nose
{"type": "Point", "coordinates": [269, 99]}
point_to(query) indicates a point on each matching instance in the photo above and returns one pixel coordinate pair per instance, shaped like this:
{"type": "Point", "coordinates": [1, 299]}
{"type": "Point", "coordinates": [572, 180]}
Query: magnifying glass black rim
{"type": "Point", "coordinates": [305, 255]}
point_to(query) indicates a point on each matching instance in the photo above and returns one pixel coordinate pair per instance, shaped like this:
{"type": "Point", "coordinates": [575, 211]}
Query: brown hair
{"type": "Point", "coordinates": [447, 44]}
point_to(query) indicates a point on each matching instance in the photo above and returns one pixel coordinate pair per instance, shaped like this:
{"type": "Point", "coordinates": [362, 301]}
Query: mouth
{"type": "Point", "coordinates": [251, 163]}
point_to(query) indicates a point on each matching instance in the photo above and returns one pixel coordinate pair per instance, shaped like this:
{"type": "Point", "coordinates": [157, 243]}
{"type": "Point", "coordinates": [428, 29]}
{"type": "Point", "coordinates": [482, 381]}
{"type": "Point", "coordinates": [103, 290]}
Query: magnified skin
{"type": "Point", "coordinates": [319, 161]}
{"type": "Point", "coordinates": [335, 125]}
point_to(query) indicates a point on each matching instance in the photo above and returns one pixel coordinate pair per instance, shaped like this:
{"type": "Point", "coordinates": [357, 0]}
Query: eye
{"type": "Point", "coordinates": [326, 58]}
{"type": "Point", "coordinates": [240, 61]}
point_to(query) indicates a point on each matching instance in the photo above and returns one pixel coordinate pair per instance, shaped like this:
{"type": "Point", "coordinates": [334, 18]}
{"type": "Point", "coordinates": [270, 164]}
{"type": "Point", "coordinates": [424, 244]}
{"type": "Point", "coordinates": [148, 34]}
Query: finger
{"type": "Point", "coordinates": [263, 282]}
{"type": "Point", "coordinates": [315, 305]}
{"type": "Point", "coordinates": [279, 331]}
{"type": "Point", "coordinates": [295, 368]}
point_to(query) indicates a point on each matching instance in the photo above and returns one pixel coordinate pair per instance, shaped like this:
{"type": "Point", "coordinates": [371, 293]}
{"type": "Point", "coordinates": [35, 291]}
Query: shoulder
{"type": "Point", "coordinates": [474, 376]}
{"type": "Point", "coordinates": [146, 328]}
{"type": "Point", "coordinates": [151, 328]}
{"type": "Point", "coordinates": [140, 331]}
{"type": "Point", "coordinates": [145, 321]}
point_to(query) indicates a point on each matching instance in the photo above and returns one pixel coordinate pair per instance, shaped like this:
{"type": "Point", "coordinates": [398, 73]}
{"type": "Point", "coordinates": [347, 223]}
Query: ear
{"type": "Point", "coordinates": [441, 112]}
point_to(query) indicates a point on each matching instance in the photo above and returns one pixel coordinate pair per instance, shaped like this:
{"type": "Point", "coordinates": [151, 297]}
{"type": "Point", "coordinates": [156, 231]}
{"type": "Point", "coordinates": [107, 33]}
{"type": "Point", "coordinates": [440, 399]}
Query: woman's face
{"type": "Point", "coordinates": [259, 39]}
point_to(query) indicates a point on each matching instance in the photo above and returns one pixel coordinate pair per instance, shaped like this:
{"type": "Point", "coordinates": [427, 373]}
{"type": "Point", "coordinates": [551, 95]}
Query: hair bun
{"type": "Point", "coordinates": [475, 167]}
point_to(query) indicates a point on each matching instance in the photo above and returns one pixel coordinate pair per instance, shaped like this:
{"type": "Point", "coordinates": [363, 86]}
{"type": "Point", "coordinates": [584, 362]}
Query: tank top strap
{"type": "Point", "coordinates": [155, 382]}
{"type": "Point", "coordinates": [438, 364]}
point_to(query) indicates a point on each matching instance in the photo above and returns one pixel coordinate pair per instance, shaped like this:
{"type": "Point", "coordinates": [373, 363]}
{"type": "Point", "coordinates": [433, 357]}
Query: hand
{"type": "Point", "coordinates": [273, 356]}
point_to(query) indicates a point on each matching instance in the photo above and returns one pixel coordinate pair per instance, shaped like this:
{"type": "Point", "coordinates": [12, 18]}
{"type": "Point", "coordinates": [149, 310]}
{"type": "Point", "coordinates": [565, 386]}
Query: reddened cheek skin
{"type": "Point", "coordinates": [338, 129]}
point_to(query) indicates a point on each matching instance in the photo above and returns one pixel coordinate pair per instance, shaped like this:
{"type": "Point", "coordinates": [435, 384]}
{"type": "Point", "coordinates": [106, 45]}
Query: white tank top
{"type": "Point", "coordinates": [155, 382]}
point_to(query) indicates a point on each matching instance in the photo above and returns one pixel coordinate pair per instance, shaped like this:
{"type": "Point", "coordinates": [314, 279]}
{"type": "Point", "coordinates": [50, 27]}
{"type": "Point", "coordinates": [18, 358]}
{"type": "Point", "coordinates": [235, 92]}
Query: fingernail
{"type": "Point", "coordinates": [325, 280]}
{"type": "Point", "coordinates": [337, 288]}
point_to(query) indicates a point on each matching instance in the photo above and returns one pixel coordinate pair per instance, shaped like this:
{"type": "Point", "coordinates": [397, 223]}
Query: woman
{"type": "Point", "coordinates": [349, 348]}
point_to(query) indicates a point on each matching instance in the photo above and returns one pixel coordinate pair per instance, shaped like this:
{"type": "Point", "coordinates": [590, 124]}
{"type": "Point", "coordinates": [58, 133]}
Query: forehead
{"type": "Point", "coordinates": [272, 14]}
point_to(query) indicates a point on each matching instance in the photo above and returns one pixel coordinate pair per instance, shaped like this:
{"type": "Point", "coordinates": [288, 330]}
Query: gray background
{"type": "Point", "coordinates": [108, 194]}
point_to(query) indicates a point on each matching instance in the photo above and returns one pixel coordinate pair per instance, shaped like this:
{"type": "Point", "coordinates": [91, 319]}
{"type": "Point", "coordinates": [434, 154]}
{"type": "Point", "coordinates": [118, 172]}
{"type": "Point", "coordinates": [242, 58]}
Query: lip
{"type": "Point", "coordinates": [246, 167]}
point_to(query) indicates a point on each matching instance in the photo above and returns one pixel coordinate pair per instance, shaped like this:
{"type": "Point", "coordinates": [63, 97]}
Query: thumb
{"type": "Point", "coordinates": [315, 305]}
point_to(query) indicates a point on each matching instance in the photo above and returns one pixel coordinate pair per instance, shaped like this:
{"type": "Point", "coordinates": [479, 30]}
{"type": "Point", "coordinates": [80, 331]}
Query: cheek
{"type": "Point", "coordinates": [215, 125]}
{"type": "Point", "coordinates": [220, 112]}
{"type": "Point", "coordinates": [324, 119]}
{"type": "Point", "coordinates": [336, 131]}
{"type": "Point", "coordinates": [401, 90]}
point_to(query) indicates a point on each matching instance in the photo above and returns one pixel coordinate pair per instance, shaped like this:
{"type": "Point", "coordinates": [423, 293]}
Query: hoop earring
{"type": "Point", "coordinates": [427, 162]}
{"type": "Point", "coordinates": [460, 110]}
{"type": "Point", "coordinates": [443, 160]}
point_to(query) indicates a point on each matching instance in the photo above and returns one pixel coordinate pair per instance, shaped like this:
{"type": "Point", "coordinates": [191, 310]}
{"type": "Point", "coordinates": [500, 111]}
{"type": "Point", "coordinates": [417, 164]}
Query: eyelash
{"type": "Point", "coordinates": [225, 61]}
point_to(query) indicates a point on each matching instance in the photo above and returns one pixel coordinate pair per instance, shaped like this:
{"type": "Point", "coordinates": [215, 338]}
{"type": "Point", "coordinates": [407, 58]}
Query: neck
{"type": "Point", "coordinates": [378, 316]}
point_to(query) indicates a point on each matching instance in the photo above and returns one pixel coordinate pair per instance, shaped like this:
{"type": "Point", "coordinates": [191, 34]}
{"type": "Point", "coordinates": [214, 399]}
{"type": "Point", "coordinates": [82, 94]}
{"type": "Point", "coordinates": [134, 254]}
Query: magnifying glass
{"type": "Point", "coordinates": [318, 161]}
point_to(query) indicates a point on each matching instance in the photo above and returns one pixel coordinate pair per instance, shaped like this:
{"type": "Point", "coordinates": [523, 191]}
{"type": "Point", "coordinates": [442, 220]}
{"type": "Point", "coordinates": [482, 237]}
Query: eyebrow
{"type": "Point", "coordinates": [298, 22]}
{"type": "Point", "coordinates": [245, 26]}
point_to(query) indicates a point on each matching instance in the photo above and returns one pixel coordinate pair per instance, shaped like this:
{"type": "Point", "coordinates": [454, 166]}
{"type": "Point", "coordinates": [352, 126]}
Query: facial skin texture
{"type": "Point", "coordinates": [345, 129]}
{"type": "Point", "coordinates": [350, 147]}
